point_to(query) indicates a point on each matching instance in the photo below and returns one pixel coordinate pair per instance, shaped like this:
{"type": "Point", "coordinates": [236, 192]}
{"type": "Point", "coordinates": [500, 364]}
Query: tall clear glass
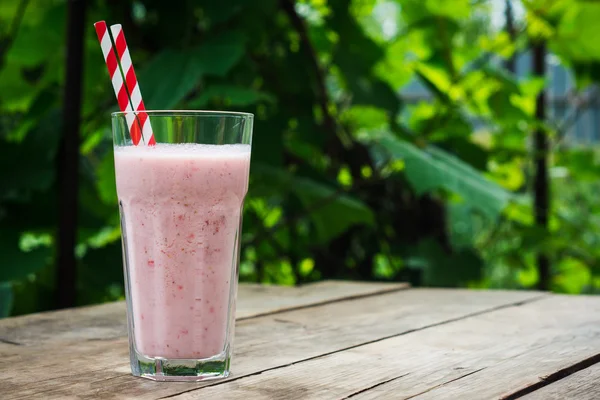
{"type": "Point", "coordinates": [181, 218]}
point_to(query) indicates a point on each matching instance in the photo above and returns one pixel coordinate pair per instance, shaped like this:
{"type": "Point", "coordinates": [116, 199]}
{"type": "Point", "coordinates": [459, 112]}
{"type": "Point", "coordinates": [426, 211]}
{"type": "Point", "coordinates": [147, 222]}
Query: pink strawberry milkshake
{"type": "Point", "coordinates": [181, 208]}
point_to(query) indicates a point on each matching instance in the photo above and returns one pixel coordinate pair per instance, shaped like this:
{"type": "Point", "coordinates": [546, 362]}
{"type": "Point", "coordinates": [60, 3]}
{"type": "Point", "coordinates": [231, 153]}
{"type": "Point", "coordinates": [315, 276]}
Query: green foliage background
{"type": "Point", "coordinates": [348, 181]}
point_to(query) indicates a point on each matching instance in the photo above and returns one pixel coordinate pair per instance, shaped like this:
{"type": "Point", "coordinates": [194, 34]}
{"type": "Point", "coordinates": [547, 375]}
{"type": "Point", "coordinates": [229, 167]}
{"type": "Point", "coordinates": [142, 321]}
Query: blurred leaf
{"type": "Point", "coordinates": [442, 269]}
{"type": "Point", "coordinates": [583, 164]}
{"type": "Point", "coordinates": [396, 67]}
{"type": "Point", "coordinates": [468, 151]}
{"type": "Point", "coordinates": [508, 82]}
{"type": "Point", "coordinates": [500, 44]}
{"type": "Point", "coordinates": [230, 96]}
{"type": "Point", "coordinates": [34, 157]}
{"type": "Point", "coordinates": [356, 55]}
{"type": "Point", "coordinates": [433, 168]}
{"type": "Point", "coordinates": [223, 10]}
{"type": "Point", "coordinates": [436, 78]}
{"type": "Point", "coordinates": [462, 226]}
{"type": "Point", "coordinates": [509, 175]}
{"type": "Point", "coordinates": [218, 55]}
{"type": "Point", "coordinates": [267, 147]}
{"type": "Point", "coordinates": [37, 43]}
{"type": "Point", "coordinates": [330, 210]}
{"type": "Point", "coordinates": [365, 117]}
{"type": "Point", "coordinates": [17, 93]}
{"type": "Point", "coordinates": [173, 74]}
{"type": "Point", "coordinates": [331, 213]}
{"type": "Point", "coordinates": [105, 236]}
{"type": "Point", "coordinates": [106, 183]}
{"type": "Point", "coordinates": [505, 108]}
{"type": "Point", "coordinates": [168, 78]}
{"type": "Point", "coordinates": [575, 30]}
{"type": "Point", "coordinates": [17, 264]}
{"type": "Point", "coordinates": [101, 284]}
{"type": "Point", "coordinates": [573, 276]}
{"type": "Point", "coordinates": [456, 9]}
{"type": "Point", "coordinates": [376, 92]}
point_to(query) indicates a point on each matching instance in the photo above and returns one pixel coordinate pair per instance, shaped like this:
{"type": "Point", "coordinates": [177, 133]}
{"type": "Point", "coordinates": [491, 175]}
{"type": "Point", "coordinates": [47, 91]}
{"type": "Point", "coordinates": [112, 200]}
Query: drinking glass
{"type": "Point", "coordinates": [180, 205]}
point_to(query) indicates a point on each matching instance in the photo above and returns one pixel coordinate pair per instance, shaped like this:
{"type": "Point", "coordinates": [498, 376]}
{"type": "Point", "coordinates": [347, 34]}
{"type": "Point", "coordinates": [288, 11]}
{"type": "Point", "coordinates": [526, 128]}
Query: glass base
{"type": "Point", "coordinates": [180, 370]}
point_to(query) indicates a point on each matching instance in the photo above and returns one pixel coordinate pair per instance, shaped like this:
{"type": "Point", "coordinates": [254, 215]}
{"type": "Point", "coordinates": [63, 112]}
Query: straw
{"type": "Point", "coordinates": [116, 78]}
{"type": "Point", "coordinates": [131, 83]}
{"type": "Point", "coordinates": [123, 97]}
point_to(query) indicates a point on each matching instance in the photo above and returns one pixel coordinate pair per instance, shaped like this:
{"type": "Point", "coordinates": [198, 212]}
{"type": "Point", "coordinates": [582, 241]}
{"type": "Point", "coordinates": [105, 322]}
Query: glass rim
{"type": "Point", "coordinates": [186, 112]}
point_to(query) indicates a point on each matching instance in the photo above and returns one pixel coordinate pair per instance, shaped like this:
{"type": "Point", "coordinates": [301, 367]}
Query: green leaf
{"type": "Point", "coordinates": [17, 264]}
{"type": "Point", "coordinates": [455, 9]}
{"type": "Point", "coordinates": [357, 55]}
{"type": "Point", "coordinates": [223, 10]}
{"type": "Point", "coordinates": [102, 284]}
{"type": "Point", "coordinates": [504, 108]}
{"type": "Point", "coordinates": [230, 95]}
{"type": "Point", "coordinates": [173, 74]}
{"type": "Point", "coordinates": [501, 43]}
{"type": "Point", "coordinates": [34, 157]}
{"type": "Point", "coordinates": [436, 78]}
{"type": "Point", "coordinates": [442, 269]}
{"type": "Point", "coordinates": [572, 277]}
{"type": "Point", "coordinates": [218, 55]}
{"type": "Point", "coordinates": [267, 147]}
{"type": "Point", "coordinates": [461, 225]}
{"type": "Point", "coordinates": [586, 73]}
{"type": "Point", "coordinates": [583, 164]}
{"type": "Point", "coordinates": [330, 210]}
{"type": "Point", "coordinates": [467, 151]}
{"type": "Point", "coordinates": [168, 78]}
{"type": "Point", "coordinates": [6, 299]}
{"type": "Point", "coordinates": [35, 44]}
{"type": "Point", "coordinates": [576, 32]}
{"type": "Point", "coordinates": [105, 183]}
{"type": "Point", "coordinates": [395, 68]}
{"type": "Point", "coordinates": [365, 117]}
{"type": "Point", "coordinates": [508, 81]}
{"type": "Point", "coordinates": [17, 93]}
{"type": "Point", "coordinates": [434, 168]}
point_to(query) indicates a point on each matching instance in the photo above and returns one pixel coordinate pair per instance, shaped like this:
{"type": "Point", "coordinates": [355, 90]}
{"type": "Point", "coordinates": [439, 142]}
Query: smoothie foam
{"type": "Point", "coordinates": [181, 210]}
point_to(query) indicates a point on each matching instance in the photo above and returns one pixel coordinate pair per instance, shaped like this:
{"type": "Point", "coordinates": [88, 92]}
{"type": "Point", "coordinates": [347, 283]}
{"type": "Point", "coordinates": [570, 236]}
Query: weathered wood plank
{"type": "Point", "coordinates": [489, 355]}
{"type": "Point", "coordinates": [256, 300]}
{"type": "Point", "coordinates": [582, 385]}
{"type": "Point", "coordinates": [262, 343]}
{"type": "Point", "coordinates": [530, 344]}
{"type": "Point", "coordinates": [108, 320]}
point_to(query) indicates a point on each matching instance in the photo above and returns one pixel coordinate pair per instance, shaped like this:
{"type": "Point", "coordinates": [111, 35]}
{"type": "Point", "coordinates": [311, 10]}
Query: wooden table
{"type": "Point", "coordinates": [332, 340]}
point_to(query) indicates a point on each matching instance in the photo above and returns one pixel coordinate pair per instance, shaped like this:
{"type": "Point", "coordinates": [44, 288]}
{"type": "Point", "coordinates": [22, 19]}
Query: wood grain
{"type": "Point", "coordinates": [582, 385]}
{"type": "Point", "coordinates": [489, 355]}
{"type": "Point", "coordinates": [526, 346]}
{"type": "Point", "coordinates": [99, 368]}
{"type": "Point", "coordinates": [108, 321]}
{"type": "Point", "coordinates": [257, 300]}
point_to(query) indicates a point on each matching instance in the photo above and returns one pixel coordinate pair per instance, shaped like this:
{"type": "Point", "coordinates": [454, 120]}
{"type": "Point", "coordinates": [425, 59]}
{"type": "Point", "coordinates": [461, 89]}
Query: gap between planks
{"type": "Point", "coordinates": [582, 385]}
{"type": "Point", "coordinates": [444, 322]}
{"type": "Point", "coordinates": [13, 343]}
{"type": "Point", "coordinates": [555, 344]}
{"type": "Point", "coordinates": [375, 386]}
{"type": "Point", "coordinates": [554, 377]}
{"type": "Point", "coordinates": [444, 383]}
{"type": "Point", "coordinates": [378, 292]}
{"type": "Point", "coordinates": [362, 320]}
{"type": "Point", "coordinates": [107, 321]}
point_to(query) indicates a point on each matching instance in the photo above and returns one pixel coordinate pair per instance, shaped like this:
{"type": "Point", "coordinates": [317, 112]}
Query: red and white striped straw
{"type": "Point", "coordinates": [120, 88]}
{"type": "Point", "coordinates": [132, 83]}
